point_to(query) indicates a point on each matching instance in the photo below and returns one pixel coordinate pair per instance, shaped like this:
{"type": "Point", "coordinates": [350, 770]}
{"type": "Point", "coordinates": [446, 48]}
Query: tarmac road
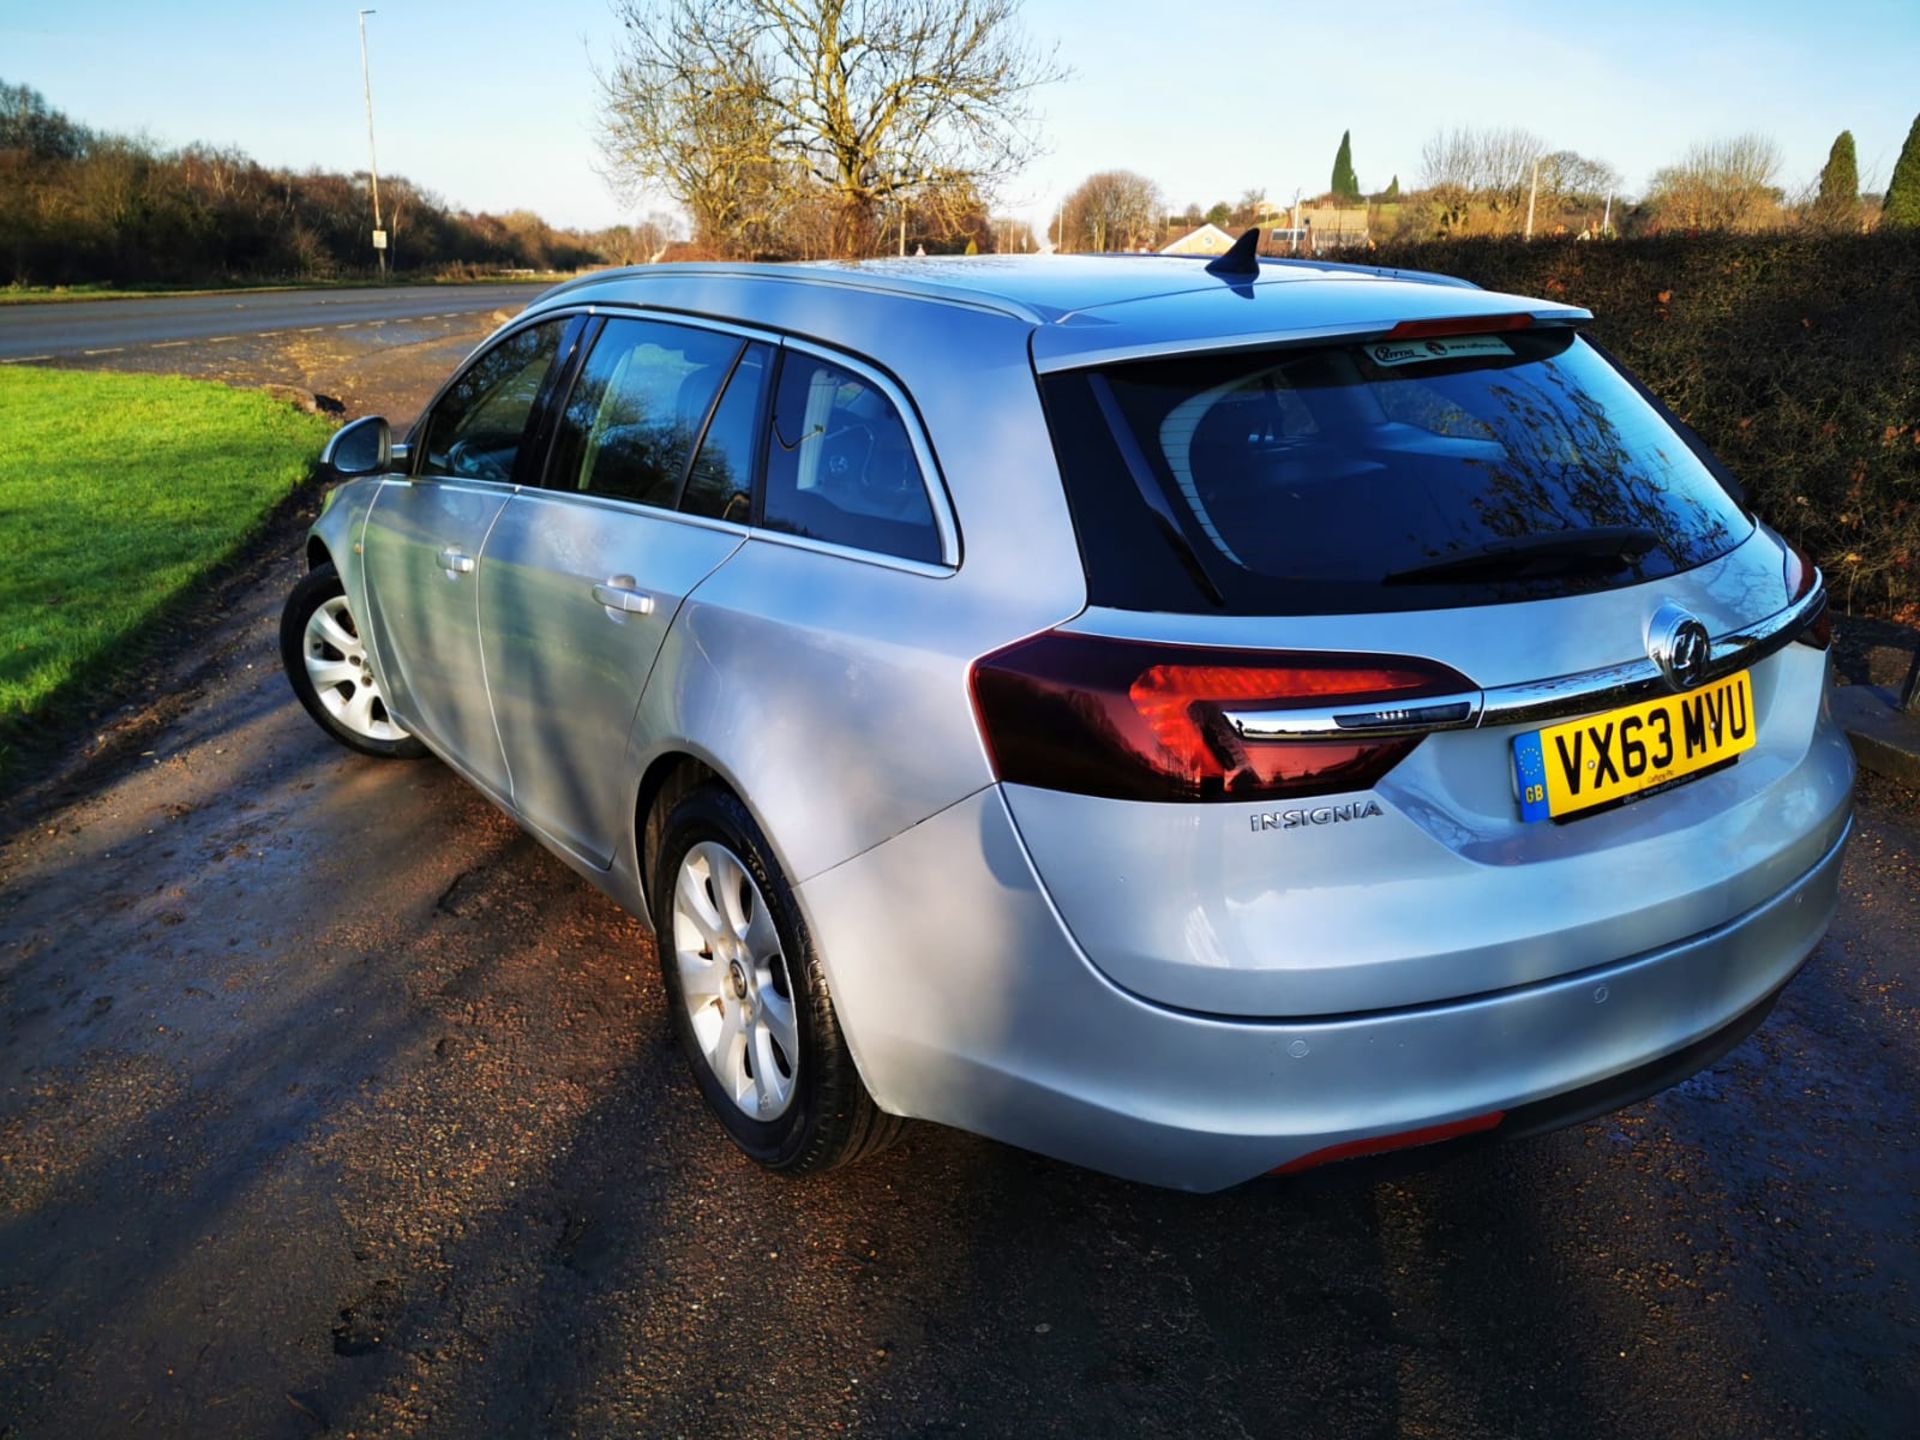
{"type": "Point", "coordinates": [62, 330]}
{"type": "Point", "coordinates": [330, 1103]}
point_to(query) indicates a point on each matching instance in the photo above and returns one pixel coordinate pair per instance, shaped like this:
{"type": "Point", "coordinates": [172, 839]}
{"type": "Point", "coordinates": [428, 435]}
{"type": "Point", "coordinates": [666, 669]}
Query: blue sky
{"type": "Point", "coordinates": [492, 104]}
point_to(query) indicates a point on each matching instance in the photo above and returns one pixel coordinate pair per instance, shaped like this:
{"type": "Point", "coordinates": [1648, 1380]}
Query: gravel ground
{"type": "Point", "coordinates": [330, 1102]}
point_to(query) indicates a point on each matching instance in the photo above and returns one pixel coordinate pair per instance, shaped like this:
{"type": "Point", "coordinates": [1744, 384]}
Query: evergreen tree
{"type": "Point", "coordinates": [1346, 184]}
{"type": "Point", "coordinates": [1393, 190]}
{"type": "Point", "coordinates": [1838, 203]}
{"type": "Point", "coordinates": [1902, 205]}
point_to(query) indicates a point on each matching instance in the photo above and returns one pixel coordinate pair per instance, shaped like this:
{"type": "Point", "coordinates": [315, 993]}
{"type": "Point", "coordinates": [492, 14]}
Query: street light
{"type": "Point", "coordinates": [373, 169]}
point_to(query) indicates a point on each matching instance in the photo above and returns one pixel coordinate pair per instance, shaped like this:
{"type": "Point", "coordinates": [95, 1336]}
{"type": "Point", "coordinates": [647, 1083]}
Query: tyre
{"type": "Point", "coordinates": [748, 996]}
{"type": "Point", "coordinates": [326, 663]}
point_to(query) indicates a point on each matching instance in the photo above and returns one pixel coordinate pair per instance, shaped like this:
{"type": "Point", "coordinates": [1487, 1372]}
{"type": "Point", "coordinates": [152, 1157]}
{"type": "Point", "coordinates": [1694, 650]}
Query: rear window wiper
{"type": "Point", "coordinates": [1605, 548]}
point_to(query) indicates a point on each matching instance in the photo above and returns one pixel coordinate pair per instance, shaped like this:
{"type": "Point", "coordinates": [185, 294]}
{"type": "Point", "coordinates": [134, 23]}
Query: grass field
{"type": "Point", "coordinates": [117, 494]}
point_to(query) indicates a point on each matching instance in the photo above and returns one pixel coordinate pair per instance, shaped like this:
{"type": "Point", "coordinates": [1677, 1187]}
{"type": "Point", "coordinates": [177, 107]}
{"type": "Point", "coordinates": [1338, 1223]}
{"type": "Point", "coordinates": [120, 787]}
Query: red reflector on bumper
{"type": "Point", "coordinates": [1380, 1144]}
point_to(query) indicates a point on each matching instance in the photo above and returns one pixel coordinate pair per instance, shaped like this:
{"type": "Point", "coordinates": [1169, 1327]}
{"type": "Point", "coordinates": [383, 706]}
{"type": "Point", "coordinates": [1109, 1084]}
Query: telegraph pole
{"type": "Point", "coordinates": [1533, 194]}
{"type": "Point", "coordinates": [373, 169]}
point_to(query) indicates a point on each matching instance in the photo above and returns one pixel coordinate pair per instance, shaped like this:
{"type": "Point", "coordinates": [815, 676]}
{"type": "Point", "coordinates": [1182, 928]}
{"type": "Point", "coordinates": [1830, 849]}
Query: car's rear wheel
{"type": "Point", "coordinates": [747, 994]}
{"type": "Point", "coordinates": [327, 664]}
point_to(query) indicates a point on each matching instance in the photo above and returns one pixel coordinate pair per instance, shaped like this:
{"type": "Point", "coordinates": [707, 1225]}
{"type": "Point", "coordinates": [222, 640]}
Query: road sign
{"type": "Point", "coordinates": [379, 239]}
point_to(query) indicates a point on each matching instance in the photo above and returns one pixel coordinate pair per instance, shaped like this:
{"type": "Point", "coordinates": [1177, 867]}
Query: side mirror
{"type": "Point", "coordinates": [363, 448]}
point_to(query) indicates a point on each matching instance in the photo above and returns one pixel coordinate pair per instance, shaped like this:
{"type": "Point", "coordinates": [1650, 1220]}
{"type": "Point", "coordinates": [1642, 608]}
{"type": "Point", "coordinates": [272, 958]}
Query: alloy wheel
{"type": "Point", "coordinates": [342, 677]}
{"type": "Point", "coordinates": [734, 981]}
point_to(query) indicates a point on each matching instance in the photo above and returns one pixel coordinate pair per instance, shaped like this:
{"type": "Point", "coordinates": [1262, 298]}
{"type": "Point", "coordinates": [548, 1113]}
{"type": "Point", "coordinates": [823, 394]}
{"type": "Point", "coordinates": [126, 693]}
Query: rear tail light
{"type": "Point", "coordinates": [1801, 575]}
{"type": "Point", "coordinates": [1136, 720]}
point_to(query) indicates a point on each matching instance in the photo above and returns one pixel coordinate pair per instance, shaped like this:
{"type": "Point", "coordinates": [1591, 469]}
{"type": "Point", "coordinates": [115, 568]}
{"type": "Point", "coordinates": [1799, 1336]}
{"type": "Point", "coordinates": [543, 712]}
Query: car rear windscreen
{"type": "Point", "coordinates": [1379, 475]}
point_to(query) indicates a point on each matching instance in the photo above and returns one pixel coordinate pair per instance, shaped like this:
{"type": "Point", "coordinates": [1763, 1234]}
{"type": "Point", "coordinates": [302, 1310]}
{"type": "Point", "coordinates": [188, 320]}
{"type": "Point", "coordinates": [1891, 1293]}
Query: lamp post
{"type": "Point", "coordinates": [373, 168]}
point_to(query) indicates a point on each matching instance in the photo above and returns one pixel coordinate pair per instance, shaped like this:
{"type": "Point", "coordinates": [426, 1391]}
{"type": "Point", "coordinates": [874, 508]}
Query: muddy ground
{"type": "Point", "coordinates": [330, 1103]}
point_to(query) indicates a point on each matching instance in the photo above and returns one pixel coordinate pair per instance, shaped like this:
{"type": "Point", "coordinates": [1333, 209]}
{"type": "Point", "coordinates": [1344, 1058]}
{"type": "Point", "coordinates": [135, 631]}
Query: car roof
{"type": "Point", "coordinates": [1041, 289]}
{"type": "Point", "coordinates": [1090, 308]}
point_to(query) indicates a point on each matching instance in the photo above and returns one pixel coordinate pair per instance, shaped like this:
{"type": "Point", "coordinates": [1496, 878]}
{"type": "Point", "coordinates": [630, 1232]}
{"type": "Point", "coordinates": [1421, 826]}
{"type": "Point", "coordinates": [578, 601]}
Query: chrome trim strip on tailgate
{"type": "Point", "coordinates": [1616, 685]}
{"type": "Point", "coordinates": [1535, 702]}
{"type": "Point", "coordinates": [1448, 712]}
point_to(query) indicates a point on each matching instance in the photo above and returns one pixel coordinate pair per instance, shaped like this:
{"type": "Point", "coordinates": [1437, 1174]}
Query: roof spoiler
{"type": "Point", "coordinates": [1242, 260]}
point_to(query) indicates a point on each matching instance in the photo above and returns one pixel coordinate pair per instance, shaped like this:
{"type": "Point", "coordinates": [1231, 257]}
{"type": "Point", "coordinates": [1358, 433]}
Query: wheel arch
{"type": "Point", "coordinates": [667, 776]}
{"type": "Point", "coordinates": [671, 774]}
{"type": "Point", "coordinates": [317, 553]}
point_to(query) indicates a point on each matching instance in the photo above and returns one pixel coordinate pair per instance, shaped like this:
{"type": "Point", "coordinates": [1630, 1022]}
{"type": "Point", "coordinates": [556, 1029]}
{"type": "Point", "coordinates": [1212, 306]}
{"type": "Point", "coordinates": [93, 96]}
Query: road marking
{"type": "Point", "coordinates": [216, 339]}
{"type": "Point", "coordinates": [110, 350]}
{"type": "Point", "coordinates": [24, 359]}
{"type": "Point", "coordinates": [168, 344]}
{"type": "Point", "coordinates": [310, 330]}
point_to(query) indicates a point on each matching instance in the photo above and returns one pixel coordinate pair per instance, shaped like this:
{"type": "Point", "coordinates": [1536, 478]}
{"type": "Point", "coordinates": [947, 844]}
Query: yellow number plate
{"type": "Point", "coordinates": [1567, 768]}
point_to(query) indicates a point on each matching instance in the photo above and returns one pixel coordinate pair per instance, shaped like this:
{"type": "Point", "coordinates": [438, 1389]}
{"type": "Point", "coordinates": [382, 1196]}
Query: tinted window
{"type": "Point", "coordinates": [1339, 478]}
{"type": "Point", "coordinates": [636, 410]}
{"type": "Point", "coordinates": [840, 467]}
{"type": "Point", "coordinates": [720, 485]}
{"type": "Point", "coordinates": [476, 428]}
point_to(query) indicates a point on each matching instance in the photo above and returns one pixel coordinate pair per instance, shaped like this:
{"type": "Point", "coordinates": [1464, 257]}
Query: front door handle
{"type": "Point", "coordinates": [455, 563]}
{"type": "Point", "coordinates": [619, 594]}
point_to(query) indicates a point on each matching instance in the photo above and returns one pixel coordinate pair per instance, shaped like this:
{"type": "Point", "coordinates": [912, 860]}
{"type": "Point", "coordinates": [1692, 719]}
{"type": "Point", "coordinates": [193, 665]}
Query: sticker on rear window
{"type": "Point", "coordinates": [1411, 352]}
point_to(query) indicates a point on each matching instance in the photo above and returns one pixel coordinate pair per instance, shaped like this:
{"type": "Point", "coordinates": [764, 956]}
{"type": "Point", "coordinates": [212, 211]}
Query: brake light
{"type": "Point", "coordinates": [1458, 325]}
{"type": "Point", "coordinates": [1801, 575]}
{"type": "Point", "coordinates": [1136, 720]}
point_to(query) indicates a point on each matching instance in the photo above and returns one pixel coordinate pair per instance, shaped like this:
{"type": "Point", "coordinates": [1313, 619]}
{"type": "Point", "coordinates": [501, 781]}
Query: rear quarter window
{"type": "Point", "coordinates": [1325, 479]}
{"type": "Point", "coordinates": [841, 464]}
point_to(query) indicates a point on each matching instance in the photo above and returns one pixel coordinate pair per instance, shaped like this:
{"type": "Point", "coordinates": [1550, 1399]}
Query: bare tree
{"type": "Point", "coordinates": [688, 112]}
{"type": "Point", "coordinates": [1482, 179]}
{"type": "Point", "coordinates": [1013, 235]}
{"type": "Point", "coordinates": [1494, 167]}
{"type": "Point", "coordinates": [1720, 185]}
{"type": "Point", "coordinates": [741, 108]}
{"type": "Point", "coordinates": [1113, 210]}
{"type": "Point", "coordinates": [1571, 179]}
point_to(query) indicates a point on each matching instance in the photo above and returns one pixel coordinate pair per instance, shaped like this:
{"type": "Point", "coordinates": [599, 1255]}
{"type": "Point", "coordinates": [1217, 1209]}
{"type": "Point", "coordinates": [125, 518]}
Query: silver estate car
{"type": "Point", "coordinates": [1195, 720]}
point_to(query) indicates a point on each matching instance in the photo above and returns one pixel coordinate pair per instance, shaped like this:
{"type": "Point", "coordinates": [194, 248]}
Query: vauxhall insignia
{"type": "Point", "coordinates": [1318, 815]}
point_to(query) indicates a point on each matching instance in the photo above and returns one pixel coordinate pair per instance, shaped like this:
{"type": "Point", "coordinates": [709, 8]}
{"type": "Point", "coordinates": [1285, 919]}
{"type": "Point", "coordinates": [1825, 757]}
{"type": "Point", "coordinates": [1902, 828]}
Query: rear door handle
{"type": "Point", "coordinates": [455, 563]}
{"type": "Point", "coordinates": [619, 594]}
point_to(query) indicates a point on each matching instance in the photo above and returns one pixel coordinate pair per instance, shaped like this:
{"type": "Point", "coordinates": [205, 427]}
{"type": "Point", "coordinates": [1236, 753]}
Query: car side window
{"type": "Point", "coordinates": [636, 412]}
{"type": "Point", "coordinates": [720, 485]}
{"type": "Point", "coordinates": [477, 426]}
{"type": "Point", "coordinates": [840, 465]}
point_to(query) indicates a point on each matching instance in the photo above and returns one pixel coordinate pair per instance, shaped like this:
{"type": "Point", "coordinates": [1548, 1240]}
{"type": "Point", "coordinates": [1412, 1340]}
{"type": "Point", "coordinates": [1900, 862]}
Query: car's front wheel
{"type": "Point", "coordinates": [327, 665]}
{"type": "Point", "coordinates": [748, 996]}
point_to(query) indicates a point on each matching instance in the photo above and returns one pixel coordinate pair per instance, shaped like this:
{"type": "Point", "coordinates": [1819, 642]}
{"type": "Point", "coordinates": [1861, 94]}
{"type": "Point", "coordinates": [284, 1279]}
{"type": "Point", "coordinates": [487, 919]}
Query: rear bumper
{"type": "Point", "coordinates": [967, 1002]}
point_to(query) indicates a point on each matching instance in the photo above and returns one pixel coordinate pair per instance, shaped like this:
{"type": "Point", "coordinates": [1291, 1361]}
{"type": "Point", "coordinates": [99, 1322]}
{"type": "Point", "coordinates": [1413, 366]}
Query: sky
{"type": "Point", "coordinates": [492, 104]}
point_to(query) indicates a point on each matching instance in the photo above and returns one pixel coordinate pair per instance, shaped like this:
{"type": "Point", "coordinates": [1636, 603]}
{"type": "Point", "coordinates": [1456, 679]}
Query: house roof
{"type": "Point", "coordinates": [1207, 240]}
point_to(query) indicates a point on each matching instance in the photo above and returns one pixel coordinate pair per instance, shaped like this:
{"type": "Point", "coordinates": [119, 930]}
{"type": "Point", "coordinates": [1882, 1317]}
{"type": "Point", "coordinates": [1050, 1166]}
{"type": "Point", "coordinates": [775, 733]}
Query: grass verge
{"type": "Point", "coordinates": [117, 494]}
